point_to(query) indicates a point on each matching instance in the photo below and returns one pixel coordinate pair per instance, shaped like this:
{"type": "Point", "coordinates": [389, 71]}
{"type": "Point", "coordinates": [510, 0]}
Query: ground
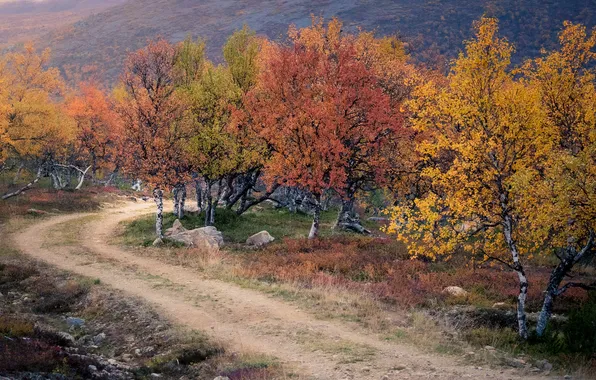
{"type": "Point", "coordinates": [291, 310]}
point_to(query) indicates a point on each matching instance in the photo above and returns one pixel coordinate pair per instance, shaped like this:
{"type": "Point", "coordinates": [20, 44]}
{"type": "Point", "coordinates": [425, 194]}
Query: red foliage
{"type": "Point", "coordinates": [323, 114]}
{"type": "Point", "coordinates": [382, 268]}
{"type": "Point", "coordinates": [154, 117]}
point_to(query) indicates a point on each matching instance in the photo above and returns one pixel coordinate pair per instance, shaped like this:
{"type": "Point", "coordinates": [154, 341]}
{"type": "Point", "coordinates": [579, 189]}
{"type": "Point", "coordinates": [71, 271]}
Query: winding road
{"type": "Point", "coordinates": [239, 318]}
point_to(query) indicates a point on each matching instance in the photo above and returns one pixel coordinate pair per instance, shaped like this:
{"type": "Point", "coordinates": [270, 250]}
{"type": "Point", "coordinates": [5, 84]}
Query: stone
{"type": "Point", "coordinates": [205, 237]}
{"type": "Point", "coordinates": [176, 228]}
{"type": "Point", "coordinates": [221, 378]}
{"type": "Point", "coordinates": [138, 352]}
{"type": "Point", "coordinates": [66, 337]}
{"type": "Point", "coordinates": [517, 363]}
{"type": "Point", "coordinates": [155, 375]}
{"type": "Point", "coordinates": [112, 361]}
{"type": "Point", "coordinates": [260, 239]}
{"type": "Point", "coordinates": [500, 305]}
{"type": "Point", "coordinates": [455, 291]}
{"type": "Point", "coordinates": [544, 365]}
{"type": "Point", "coordinates": [75, 322]}
{"type": "Point", "coordinates": [97, 339]}
{"type": "Point", "coordinates": [92, 368]}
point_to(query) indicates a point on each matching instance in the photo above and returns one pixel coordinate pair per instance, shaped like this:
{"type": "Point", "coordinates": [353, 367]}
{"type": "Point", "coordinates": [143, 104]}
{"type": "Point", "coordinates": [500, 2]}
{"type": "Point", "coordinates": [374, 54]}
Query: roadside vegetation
{"type": "Point", "coordinates": [372, 280]}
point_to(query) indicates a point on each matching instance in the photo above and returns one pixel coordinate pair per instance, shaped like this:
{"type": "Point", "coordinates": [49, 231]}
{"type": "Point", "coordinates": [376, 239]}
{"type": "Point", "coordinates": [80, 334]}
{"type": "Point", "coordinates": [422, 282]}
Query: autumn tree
{"type": "Point", "coordinates": [322, 112]}
{"type": "Point", "coordinates": [153, 117]}
{"type": "Point", "coordinates": [561, 195]}
{"type": "Point", "coordinates": [215, 151]}
{"type": "Point", "coordinates": [97, 128]}
{"type": "Point", "coordinates": [375, 133]}
{"type": "Point", "coordinates": [483, 136]}
{"type": "Point", "coordinates": [33, 127]}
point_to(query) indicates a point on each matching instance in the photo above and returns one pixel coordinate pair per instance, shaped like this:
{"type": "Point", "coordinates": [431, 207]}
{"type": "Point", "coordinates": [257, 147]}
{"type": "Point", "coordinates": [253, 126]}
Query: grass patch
{"type": "Point", "coordinates": [280, 223]}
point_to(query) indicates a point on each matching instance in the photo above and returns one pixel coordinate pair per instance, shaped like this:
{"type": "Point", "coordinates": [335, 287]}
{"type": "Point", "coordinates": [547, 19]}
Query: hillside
{"type": "Point", "coordinates": [27, 20]}
{"type": "Point", "coordinates": [432, 27]}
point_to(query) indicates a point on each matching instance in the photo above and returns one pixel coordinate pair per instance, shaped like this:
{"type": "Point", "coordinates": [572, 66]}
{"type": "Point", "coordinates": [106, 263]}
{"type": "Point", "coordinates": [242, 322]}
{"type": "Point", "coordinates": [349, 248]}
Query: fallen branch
{"type": "Point", "coordinates": [24, 188]}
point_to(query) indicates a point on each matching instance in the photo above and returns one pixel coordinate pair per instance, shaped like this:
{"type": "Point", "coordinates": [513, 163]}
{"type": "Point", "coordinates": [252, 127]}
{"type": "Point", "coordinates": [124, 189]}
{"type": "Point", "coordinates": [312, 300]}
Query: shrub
{"type": "Point", "coordinates": [580, 330]}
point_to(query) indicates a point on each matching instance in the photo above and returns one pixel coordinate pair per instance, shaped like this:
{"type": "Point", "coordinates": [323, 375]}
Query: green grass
{"type": "Point", "coordinates": [280, 223]}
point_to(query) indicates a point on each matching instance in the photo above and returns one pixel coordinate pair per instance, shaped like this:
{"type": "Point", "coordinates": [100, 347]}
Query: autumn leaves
{"type": "Point", "coordinates": [490, 161]}
{"type": "Point", "coordinates": [507, 158]}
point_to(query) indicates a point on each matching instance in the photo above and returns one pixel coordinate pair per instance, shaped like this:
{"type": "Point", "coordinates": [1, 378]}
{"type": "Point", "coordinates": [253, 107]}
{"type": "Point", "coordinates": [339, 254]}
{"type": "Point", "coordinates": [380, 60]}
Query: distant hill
{"type": "Point", "coordinates": [23, 20]}
{"type": "Point", "coordinates": [436, 26]}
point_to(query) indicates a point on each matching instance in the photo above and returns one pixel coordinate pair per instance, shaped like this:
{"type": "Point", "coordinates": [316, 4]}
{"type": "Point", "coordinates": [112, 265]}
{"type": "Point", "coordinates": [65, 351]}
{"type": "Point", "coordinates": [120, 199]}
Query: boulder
{"type": "Point", "coordinates": [204, 237]}
{"type": "Point", "coordinates": [260, 239]}
{"type": "Point", "coordinates": [455, 291]}
{"type": "Point", "coordinates": [176, 228]}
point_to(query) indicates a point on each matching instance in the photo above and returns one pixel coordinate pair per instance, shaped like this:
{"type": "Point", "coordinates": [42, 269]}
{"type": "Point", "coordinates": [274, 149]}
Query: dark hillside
{"type": "Point", "coordinates": [431, 26]}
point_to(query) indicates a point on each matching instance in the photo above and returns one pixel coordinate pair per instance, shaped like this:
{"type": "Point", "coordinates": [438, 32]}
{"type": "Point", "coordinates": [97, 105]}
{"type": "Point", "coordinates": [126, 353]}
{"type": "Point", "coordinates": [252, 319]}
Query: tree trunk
{"type": "Point", "coordinates": [314, 229]}
{"type": "Point", "coordinates": [245, 205]}
{"type": "Point", "coordinates": [348, 219]}
{"type": "Point", "coordinates": [158, 198]}
{"type": "Point", "coordinates": [523, 280]}
{"type": "Point", "coordinates": [209, 203]}
{"type": "Point", "coordinates": [26, 187]}
{"type": "Point", "coordinates": [181, 201]}
{"type": "Point", "coordinates": [199, 196]}
{"type": "Point", "coordinates": [553, 290]}
{"type": "Point", "coordinates": [175, 192]}
{"type": "Point", "coordinates": [82, 178]}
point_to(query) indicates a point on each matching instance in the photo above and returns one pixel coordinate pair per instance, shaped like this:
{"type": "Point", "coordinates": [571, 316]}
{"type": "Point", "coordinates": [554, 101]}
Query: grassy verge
{"type": "Point", "coordinates": [280, 223]}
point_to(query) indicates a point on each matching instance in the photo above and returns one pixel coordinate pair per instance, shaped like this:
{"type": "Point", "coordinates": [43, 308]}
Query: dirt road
{"type": "Point", "coordinates": [241, 319]}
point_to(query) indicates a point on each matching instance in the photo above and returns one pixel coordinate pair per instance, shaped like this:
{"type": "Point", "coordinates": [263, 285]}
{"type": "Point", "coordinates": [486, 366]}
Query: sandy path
{"type": "Point", "coordinates": [241, 319]}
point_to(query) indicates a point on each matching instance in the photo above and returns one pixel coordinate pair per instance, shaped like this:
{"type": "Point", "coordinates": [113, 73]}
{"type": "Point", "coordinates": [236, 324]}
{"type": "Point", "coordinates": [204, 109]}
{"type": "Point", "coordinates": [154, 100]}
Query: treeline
{"type": "Point", "coordinates": [491, 161]}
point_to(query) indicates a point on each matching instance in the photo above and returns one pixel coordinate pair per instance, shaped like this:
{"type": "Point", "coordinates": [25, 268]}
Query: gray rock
{"type": "Point", "coordinates": [66, 337]}
{"type": "Point", "coordinates": [92, 368]}
{"type": "Point", "coordinates": [156, 375]}
{"type": "Point", "coordinates": [205, 237]}
{"type": "Point", "coordinates": [75, 322]}
{"type": "Point", "coordinates": [260, 239]}
{"type": "Point", "coordinates": [99, 338]}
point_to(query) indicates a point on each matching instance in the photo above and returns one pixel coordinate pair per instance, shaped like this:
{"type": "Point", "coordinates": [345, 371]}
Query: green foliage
{"type": "Point", "coordinates": [240, 53]}
{"type": "Point", "coordinates": [190, 61]}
